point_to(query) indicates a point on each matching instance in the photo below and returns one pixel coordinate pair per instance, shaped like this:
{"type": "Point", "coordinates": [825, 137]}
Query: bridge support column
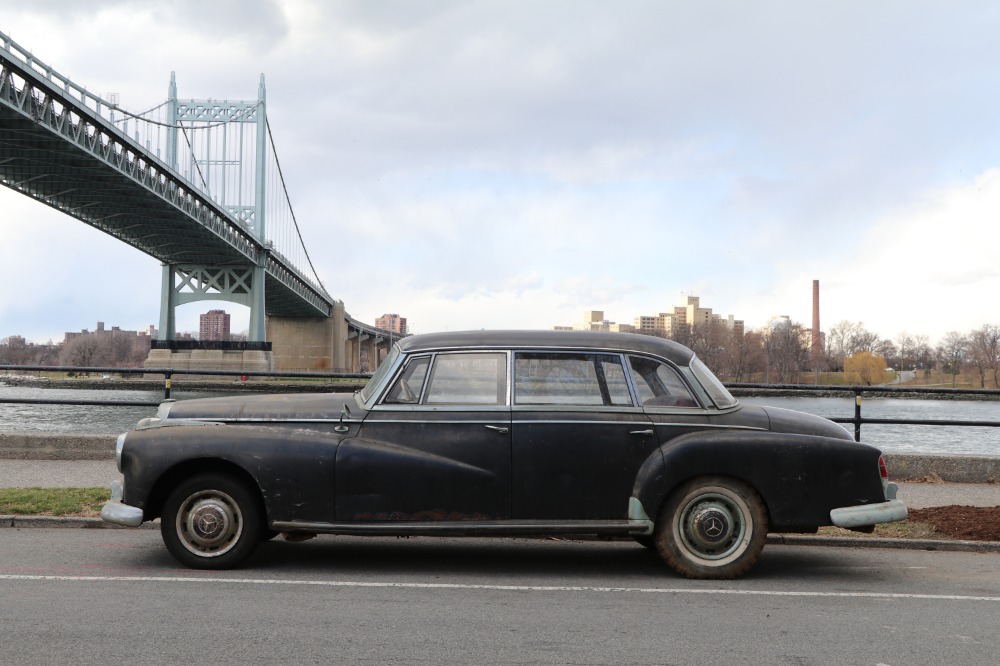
{"type": "Point", "coordinates": [310, 344]}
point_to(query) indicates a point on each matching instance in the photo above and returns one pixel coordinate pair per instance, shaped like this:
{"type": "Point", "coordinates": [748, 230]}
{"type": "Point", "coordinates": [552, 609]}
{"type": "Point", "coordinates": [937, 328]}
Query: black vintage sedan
{"type": "Point", "coordinates": [514, 433]}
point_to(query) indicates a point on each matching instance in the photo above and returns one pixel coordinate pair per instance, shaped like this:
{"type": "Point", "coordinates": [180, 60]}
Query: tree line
{"type": "Point", "coordinates": [106, 349]}
{"type": "Point", "coordinates": [782, 353]}
{"type": "Point", "coordinates": [777, 354]}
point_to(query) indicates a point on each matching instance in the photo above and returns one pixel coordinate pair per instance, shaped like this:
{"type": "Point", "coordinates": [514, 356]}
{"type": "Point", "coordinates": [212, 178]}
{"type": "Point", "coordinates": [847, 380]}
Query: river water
{"type": "Point", "coordinates": [897, 438]}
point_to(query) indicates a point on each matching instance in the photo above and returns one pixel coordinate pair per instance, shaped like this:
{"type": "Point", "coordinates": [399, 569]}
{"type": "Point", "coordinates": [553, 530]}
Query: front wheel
{"type": "Point", "coordinates": [211, 521]}
{"type": "Point", "coordinates": [712, 527]}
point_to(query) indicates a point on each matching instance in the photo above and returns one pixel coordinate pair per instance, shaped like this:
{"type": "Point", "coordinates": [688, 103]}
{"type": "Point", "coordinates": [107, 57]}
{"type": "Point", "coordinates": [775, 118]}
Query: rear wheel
{"type": "Point", "coordinates": [211, 521]}
{"type": "Point", "coordinates": [712, 527]}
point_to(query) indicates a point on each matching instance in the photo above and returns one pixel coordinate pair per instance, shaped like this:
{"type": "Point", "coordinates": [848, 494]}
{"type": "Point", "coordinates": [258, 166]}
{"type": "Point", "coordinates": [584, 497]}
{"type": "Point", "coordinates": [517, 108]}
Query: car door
{"type": "Point", "coordinates": [578, 437]}
{"type": "Point", "coordinates": [435, 447]}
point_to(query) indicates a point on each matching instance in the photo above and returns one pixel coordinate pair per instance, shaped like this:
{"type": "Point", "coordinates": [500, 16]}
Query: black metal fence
{"type": "Point", "coordinates": [167, 374]}
{"type": "Point", "coordinates": [882, 391]}
{"type": "Point", "coordinates": [756, 389]}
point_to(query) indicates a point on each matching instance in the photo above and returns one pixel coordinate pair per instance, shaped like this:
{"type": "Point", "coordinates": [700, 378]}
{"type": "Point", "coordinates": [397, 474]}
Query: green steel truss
{"type": "Point", "coordinates": [58, 148]}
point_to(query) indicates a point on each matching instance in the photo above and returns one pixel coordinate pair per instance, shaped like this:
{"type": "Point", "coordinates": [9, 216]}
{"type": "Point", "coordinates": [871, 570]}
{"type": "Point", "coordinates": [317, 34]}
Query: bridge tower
{"type": "Point", "coordinates": [244, 285]}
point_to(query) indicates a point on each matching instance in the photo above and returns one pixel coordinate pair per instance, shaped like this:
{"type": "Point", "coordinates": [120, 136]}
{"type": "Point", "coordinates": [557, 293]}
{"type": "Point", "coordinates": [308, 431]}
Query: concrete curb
{"type": "Point", "coordinates": [959, 468]}
{"type": "Point", "coordinates": [71, 522]}
{"type": "Point", "coordinates": [876, 542]}
{"type": "Point", "coordinates": [53, 446]}
{"type": "Point", "coordinates": [772, 539]}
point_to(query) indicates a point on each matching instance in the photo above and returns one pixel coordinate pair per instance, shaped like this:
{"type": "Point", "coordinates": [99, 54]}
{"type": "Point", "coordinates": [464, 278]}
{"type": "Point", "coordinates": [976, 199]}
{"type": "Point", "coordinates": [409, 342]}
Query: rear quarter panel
{"type": "Point", "coordinates": [800, 477]}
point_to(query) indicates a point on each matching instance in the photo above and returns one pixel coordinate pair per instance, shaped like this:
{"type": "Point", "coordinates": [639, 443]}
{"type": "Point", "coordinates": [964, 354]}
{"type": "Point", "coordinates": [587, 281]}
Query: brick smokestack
{"type": "Point", "coordinates": [817, 346]}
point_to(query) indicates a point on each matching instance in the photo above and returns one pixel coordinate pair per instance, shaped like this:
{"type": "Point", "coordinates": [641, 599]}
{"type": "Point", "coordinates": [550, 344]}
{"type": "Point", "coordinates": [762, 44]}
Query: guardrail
{"type": "Point", "coordinates": [806, 389]}
{"type": "Point", "coordinates": [858, 391]}
{"type": "Point", "coordinates": [167, 374]}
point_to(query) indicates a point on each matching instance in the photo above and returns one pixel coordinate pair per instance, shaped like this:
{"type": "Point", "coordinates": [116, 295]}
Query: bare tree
{"type": "Point", "coordinates": [744, 355]}
{"type": "Point", "coordinates": [952, 354]}
{"type": "Point", "coordinates": [86, 350]}
{"type": "Point", "coordinates": [905, 345]}
{"type": "Point", "coordinates": [984, 352]}
{"type": "Point", "coordinates": [786, 348]}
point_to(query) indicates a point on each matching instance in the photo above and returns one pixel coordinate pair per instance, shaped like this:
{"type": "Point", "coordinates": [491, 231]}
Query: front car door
{"type": "Point", "coordinates": [435, 447]}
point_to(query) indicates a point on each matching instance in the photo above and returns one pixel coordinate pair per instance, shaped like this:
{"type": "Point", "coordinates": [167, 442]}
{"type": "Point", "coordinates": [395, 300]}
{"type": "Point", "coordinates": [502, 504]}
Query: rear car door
{"type": "Point", "coordinates": [578, 437]}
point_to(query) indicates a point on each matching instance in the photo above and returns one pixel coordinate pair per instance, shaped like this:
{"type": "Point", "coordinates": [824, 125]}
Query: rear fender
{"type": "Point", "coordinates": [800, 477]}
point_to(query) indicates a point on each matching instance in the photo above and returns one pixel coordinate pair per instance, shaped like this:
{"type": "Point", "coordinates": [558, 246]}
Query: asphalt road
{"type": "Point", "coordinates": [115, 596]}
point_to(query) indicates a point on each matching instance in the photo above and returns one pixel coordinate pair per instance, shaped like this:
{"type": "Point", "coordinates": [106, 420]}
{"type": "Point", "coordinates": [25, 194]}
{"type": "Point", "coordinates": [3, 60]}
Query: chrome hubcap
{"type": "Point", "coordinates": [712, 526]}
{"type": "Point", "coordinates": [209, 523]}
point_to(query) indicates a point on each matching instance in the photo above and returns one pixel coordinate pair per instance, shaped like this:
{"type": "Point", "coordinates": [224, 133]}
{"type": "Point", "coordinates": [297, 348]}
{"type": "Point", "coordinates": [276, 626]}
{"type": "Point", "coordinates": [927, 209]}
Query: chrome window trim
{"type": "Point", "coordinates": [470, 407]}
{"type": "Point", "coordinates": [378, 403]}
{"type": "Point", "coordinates": [718, 426]}
{"type": "Point", "coordinates": [574, 351]}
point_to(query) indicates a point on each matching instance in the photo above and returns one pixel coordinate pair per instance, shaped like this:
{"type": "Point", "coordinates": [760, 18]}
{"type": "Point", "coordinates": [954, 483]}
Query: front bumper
{"type": "Point", "coordinates": [890, 511]}
{"type": "Point", "coordinates": [116, 513]}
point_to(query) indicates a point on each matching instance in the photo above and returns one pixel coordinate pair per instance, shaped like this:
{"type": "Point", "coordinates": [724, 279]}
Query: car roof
{"type": "Point", "coordinates": [577, 340]}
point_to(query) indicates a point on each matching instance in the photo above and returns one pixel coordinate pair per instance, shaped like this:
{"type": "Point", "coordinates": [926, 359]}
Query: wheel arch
{"type": "Point", "coordinates": [188, 468]}
{"type": "Point", "coordinates": [798, 477]}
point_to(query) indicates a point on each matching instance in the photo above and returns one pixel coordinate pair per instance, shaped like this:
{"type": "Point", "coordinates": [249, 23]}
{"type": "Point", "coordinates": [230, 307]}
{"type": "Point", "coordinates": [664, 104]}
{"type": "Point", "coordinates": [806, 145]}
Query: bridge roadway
{"type": "Point", "coordinates": [60, 145]}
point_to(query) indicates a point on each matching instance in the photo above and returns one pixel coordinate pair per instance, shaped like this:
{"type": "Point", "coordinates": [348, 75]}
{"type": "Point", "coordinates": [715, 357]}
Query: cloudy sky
{"type": "Point", "coordinates": [510, 164]}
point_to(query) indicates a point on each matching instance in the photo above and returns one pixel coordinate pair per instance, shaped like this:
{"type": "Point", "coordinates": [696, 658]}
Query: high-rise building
{"type": "Point", "coordinates": [664, 324]}
{"type": "Point", "coordinates": [392, 322]}
{"type": "Point", "coordinates": [214, 325]}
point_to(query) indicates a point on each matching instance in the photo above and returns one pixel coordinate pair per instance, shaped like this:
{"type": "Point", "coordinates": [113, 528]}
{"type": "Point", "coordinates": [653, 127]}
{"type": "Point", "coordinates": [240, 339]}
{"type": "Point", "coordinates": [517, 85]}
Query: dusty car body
{"type": "Point", "coordinates": [502, 433]}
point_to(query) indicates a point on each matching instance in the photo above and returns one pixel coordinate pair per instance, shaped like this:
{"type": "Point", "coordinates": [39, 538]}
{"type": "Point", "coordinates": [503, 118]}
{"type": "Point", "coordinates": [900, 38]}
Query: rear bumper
{"type": "Point", "coordinates": [890, 511]}
{"type": "Point", "coordinates": [116, 513]}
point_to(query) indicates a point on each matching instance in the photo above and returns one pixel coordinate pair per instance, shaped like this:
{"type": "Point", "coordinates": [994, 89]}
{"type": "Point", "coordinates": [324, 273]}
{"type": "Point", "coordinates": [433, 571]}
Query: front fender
{"type": "Point", "coordinates": [292, 467]}
{"type": "Point", "coordinates": [800, 477]}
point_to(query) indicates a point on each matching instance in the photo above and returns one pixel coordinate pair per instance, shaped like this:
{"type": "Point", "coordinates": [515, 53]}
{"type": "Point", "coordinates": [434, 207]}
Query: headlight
{"type": "Point", "coordinates": [119, 445]}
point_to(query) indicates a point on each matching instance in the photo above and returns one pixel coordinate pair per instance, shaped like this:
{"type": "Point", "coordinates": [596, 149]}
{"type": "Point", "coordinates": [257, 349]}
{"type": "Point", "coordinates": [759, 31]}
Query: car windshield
{"type": "Point", "coordinates": [719, 394]}
{"type": "Point", "coordinates": [379, 375]}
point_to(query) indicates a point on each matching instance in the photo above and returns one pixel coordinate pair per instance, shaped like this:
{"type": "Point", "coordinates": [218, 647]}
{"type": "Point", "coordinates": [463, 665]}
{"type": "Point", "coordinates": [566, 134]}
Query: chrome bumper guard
{"type": "Point", "coordinates": [890, 511]}
{"type": "Point", "coordinates": [116, 513]}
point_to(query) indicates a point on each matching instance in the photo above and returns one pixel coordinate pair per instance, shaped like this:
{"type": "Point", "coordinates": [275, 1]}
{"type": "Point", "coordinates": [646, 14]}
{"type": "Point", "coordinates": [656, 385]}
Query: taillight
{"type": "Point", "coordinates": [882, 469]}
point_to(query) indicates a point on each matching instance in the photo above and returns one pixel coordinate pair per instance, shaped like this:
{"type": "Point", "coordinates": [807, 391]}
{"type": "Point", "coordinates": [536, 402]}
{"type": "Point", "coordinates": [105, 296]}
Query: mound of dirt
{"type": "Point", "coordinates": [971, 523]}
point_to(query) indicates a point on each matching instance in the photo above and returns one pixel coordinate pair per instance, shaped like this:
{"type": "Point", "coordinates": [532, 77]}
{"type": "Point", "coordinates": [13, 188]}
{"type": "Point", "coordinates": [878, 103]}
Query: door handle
{"type": "Point", "coordinates": [500, 429]}
{"type": "Point", "coordinates": [642, 432]}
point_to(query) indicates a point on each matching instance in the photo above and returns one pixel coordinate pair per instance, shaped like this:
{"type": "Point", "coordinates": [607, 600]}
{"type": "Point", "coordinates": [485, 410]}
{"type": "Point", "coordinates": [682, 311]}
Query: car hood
{"type": "Point", "coordinates": [790, 421]}
{"type": "Point", "coordinates": [281, 406]}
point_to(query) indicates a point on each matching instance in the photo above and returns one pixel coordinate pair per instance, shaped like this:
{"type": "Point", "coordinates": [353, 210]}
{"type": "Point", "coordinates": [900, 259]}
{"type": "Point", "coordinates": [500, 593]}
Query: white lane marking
{"type": "Point", "coordinates": [498, 588]}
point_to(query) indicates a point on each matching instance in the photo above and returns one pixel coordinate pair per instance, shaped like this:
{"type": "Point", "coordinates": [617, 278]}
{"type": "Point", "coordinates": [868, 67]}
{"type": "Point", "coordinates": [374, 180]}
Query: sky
{"type": "Point", "coordinates": [514, 163]}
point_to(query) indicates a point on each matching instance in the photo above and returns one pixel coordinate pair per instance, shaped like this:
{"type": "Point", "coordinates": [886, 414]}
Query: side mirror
{"type": "Point", "coordinates": [341, 427]}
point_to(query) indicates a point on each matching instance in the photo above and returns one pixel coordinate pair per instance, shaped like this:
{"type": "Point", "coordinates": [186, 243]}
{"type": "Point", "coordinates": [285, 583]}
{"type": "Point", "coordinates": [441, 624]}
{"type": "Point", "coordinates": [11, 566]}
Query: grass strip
{"type": "Point", "coordinates": [84, 502]}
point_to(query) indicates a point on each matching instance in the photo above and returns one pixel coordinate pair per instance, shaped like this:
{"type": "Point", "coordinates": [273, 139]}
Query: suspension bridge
{"type": "Point", "coordinates": [195, 184]}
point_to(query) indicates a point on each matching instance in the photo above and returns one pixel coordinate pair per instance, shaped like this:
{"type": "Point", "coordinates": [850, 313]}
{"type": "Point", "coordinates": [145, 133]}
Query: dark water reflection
{"type": "Point", "coordinates": [908, 438]}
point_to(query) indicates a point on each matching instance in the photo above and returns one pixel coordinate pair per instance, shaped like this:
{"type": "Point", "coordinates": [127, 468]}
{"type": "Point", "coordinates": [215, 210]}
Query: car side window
{"type": "Point", "coordinates": [658, 385]}
{"type": "Point", "coordinates": [469, 379]}
{"type": "Point", "coordinates": [569, 379]}
{"type": "Point", "coordinates": [406, 390]}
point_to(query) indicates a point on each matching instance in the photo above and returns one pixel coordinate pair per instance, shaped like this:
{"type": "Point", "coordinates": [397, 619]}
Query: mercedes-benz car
{"type": "Point", "coordinates": [513, 433]}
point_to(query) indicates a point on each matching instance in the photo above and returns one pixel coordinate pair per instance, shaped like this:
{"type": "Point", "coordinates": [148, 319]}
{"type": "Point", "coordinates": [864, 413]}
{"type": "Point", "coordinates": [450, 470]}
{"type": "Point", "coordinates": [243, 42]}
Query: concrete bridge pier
{"type": "Point", "coordinates": [310, 344]}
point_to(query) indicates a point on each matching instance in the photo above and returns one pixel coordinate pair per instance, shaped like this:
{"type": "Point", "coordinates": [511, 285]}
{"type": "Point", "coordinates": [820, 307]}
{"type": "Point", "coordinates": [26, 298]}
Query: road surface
{"type": "Point", "coordinates": [115, 596]}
